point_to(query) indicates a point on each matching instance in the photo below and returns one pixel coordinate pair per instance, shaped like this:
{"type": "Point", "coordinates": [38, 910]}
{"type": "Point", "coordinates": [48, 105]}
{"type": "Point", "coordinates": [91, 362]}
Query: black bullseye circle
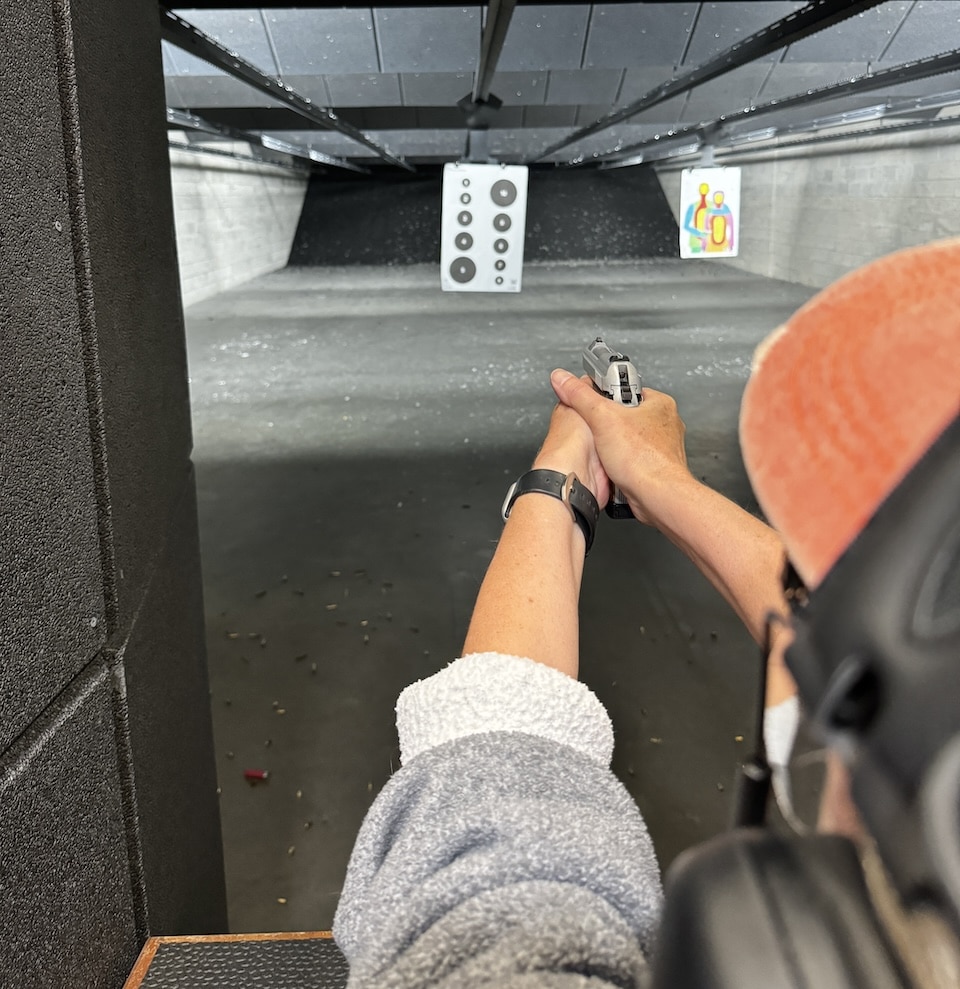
{"type": "Point", "coordinates": [503, 193]}
{"type": "Point", "coordinates": [500, 264]}
{"type": "Point", "coordinates": [465, 198]}
{"type": "Point", "coordinates": [464, 241]}
{"type": "Point", "coordinates": [465, 218]}
{"type": "Point", "coordinates": [500, 246]}
{"type": "Point", "coordinates": [502, 222]}
{"type": "Point", "coordinates": [463, 270]}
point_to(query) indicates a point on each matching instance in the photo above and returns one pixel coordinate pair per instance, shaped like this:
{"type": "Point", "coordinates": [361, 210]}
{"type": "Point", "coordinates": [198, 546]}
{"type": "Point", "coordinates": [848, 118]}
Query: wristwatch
{"type": "Point", "coordinates": [567, 487]}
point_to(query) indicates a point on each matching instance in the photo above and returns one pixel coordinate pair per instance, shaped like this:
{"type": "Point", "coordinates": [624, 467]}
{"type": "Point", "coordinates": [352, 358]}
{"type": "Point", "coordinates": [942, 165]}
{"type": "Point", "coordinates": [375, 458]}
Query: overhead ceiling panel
{"type": "Point", "coordinates": [789, 79]}
{"type": "Point", "coordinates": [511, 145]}
{"type": "Point", "coordinates": [323, 41]}
{"type": "Point", "coordinates": [400, 71]}
{"type": "Point", "coordinates": [721, 25]}
{"type": "Point", "coordinates": [509, 116]}
{"type": "Point", "coordinates": [434, 88]}
{"type": "Point", "coordinates": [506, 143]}
{"type": "Point", "coordinates": [371, 89]}
{"type": "Point", "coordinates": [171, 92]}
{"type": "Point", "coordinates": [549, 116]}
{"type": "Point", "coordinates": [520, 88]}
{"type": "Point", "coordinates": [634, 34]}
{"type": "Point", "coordinates": [947, 83]}
{"type": "Point", "coordinates": [429, 39]}
{"type": "Point", "coordinates": [587, 114]}
{"type": "Point", "coordinates": [638, 82]}
{"type": "Point", "coordinates": [861, 38]}
{"type": "Point", "coordinates": [219, 90]}
{"type": "Point", "coordinates": [167, 56]}
{"type": "Point", "coordinates": [242, 31]}
{"type": "Point", "coordinates": [573, 87]}
{"type": "Point", "coordinates": [435, 117]}
{"type": "Point", "coordinates": [314, 88]}
{"type": "Point", "coordinates": [385, 118]}
{"type": "Point", "coordinates": [733, 91]}
{"type": "Point", "coordinates": [545, 37]}
{"type": "Point", "coordinates": [416, 143]}
{"type": "Point", "coordinates": [597, 145]}
{"type": "Point", "coordinates": [182, 63]}
{"type": "Point", "coordinates": [930, 28]}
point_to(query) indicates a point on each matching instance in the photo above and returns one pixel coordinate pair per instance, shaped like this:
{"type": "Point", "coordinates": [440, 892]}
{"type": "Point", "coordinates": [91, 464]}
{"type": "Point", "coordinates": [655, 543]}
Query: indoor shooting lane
{"type": "Point", "coordinates": [356, 428]}
{"type": "Point", "coordinates": [356, 431]}
{"type": "Point", "coordinates": [390, 224]}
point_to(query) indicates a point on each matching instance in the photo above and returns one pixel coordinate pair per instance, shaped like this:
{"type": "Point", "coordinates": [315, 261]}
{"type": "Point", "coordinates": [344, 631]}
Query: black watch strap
{"type": "Point", "coordinates": [567, 488]}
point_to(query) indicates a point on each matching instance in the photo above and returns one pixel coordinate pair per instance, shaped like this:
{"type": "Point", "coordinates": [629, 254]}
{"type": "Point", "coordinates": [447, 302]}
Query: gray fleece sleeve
{"type": "Point", "coordinates": [502, 858]}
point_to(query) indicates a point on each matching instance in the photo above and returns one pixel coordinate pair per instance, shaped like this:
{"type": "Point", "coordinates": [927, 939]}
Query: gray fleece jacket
{"type": "Point", "coordinates": [504, 852]}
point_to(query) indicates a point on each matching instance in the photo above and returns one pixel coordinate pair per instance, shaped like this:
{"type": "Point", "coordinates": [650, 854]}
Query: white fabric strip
{"type": "Point", "coordinates": [780, 724]}
{"type": "Point", "coordinates": [487, 692]}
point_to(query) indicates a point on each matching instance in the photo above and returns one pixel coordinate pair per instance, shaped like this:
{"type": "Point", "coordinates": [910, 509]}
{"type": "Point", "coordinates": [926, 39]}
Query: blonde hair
{"type": "Point", "coordinates": [926, 944]}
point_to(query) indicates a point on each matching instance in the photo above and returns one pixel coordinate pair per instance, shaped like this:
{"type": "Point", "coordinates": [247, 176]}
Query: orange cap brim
{"type": "Point", "coordinates": [848, 395]}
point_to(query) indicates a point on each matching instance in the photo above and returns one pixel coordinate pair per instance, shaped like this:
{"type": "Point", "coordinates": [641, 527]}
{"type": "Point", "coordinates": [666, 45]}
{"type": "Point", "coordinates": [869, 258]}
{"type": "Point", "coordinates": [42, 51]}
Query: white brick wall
{"type": "Point", "coordinates": [811, 215]}
{"type": "Point", "coordinates": [234, 219]}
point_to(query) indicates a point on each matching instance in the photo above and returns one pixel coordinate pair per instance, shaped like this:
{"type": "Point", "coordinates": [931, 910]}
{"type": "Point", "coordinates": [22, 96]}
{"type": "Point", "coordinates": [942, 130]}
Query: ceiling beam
{"type": "Point", "coordinates": [184, 35]}
{"type": "Point", "coordinates": [366, 4]}
{"type": "Point", "coordinates": [378, 118]}
{"type": "Point", "coordinates": [737, 152]}
{"type": "Point", "coordinates": [499, 13]}
{"type": "Point", "coordinates": [192, 121]}
{"type": "Point", "coordinates": [921, 68]}
{"type": "Point", "coordinates": [205, 149]}
{"type": "Point", "coordinates": [924, 107]}
{"type": "Point", "coordinates": [813, 130]}
{"type": "Point", "coordinates": [795, 26]}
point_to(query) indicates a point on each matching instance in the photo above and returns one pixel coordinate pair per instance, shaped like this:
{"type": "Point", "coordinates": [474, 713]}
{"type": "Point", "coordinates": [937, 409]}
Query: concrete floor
{"type": "Point", "coordinates": [355, 432]}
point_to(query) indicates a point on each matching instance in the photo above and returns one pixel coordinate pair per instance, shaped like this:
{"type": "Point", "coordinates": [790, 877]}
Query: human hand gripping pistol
{"type": "Point", "coordinates": [613, 375]}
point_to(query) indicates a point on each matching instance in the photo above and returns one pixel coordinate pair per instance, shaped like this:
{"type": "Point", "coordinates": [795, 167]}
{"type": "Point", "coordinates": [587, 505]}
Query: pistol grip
{"type": "Point", "coordinates": [618, 507]}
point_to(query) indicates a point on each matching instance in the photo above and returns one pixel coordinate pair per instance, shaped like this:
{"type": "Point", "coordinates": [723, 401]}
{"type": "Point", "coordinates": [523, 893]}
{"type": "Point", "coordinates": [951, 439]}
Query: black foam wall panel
{"type": "Point", "coordinates": [588, 215]}
{"type": "Point", "coordinates": [163, 664]}
{"type": "Point", "coordinates": [130, 311]}
{"type": "Point", "coordinates": [105, 836]}
{"type": "Point", "coordinates": [68, 910]}
{"type": "Point", "coordinates": [584, 215]}
{"type": "Point", "coordinates": [52, 614]}
{"type": "Point", "coordinates": [389, 220]}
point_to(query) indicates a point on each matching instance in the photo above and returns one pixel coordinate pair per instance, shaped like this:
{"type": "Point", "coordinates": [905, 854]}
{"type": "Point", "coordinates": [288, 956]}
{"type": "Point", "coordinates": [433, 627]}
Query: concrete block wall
{"type": "Point", "coordinates": [811, 215]}
{"type": "Point", "coordinates": [234, 219]}
{"type": "Point", "coordinates": [109, 820]}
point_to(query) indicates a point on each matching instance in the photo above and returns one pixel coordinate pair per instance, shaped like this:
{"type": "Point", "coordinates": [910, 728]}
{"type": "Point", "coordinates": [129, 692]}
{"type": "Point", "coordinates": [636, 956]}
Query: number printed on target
{"type": "Point", "coordinates": [483, 220]}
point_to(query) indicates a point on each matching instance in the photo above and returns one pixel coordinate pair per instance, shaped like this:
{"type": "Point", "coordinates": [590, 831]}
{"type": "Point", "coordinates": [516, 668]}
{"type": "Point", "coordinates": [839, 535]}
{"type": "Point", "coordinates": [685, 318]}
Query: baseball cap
{"type": "Point", "coordinates": [847, 396]}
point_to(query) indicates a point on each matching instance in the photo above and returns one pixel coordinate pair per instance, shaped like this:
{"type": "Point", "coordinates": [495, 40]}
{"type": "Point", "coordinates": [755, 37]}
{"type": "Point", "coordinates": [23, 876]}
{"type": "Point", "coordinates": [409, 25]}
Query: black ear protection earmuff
{"type": "Point", "coordinates": [876, 658]}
